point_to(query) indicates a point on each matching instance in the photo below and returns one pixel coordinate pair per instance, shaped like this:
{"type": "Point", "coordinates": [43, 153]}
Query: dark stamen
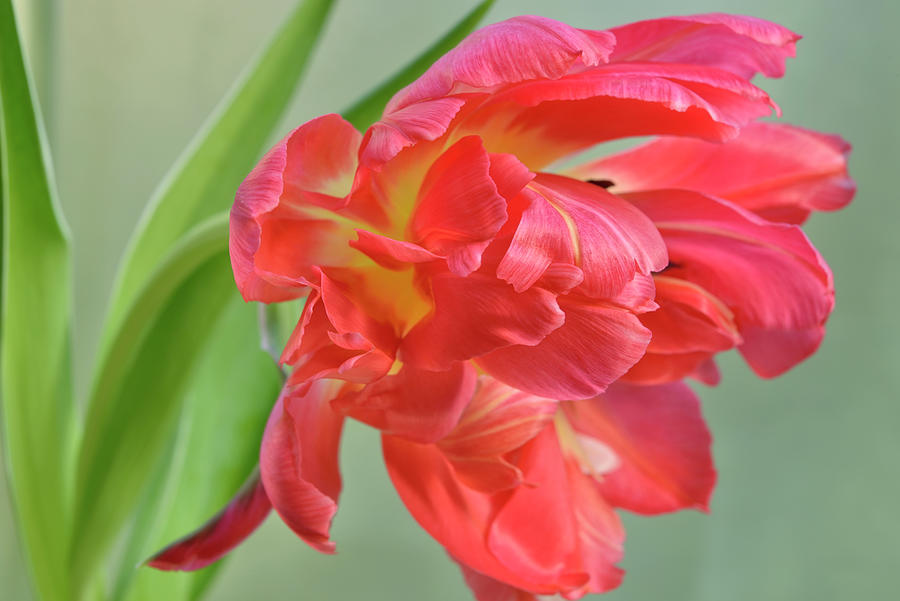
{"type": "Point", "coordinates": [603, 183]}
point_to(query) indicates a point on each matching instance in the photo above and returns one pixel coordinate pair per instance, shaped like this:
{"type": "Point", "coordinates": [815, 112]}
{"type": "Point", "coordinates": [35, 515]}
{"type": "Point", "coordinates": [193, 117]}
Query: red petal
{"type": "Point", "coordinates": [485, 588]}
{"type": "Point", "coordinates": [597, 344]}
{"type": "Point", "coordinates": [743, 45]}
{"type": "Point", "coordinates": [660, 442]}
{"type": "Point", "coordinates": [544, 120]}
{"type": "Point", "coordinates": [243, 514]}
{"type": "Point", "coordinates": [779, 171]}
{"type": "Point", "coordinates": [459, 208]}
{"type": "Point", "coordinates": [475, 315]}
{"type": "Point", "coordinates": [498, 420]}
{"type": "Point", "coordinates": [280, 221]}
{"type": "Point", "coordinates": [390, 253]}
{"type": "Point", "coordinates": [299, 461]}
{"type": "Point", "coordinates": [768, 274]}
{"type": "Point", "coordinates": [518, 49]}
{"type": "Point", "coordinates": [414, 403]}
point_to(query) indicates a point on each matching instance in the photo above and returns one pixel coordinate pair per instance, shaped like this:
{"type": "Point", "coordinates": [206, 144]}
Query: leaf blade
{"type": "Point", "coordinates": [35, 352]}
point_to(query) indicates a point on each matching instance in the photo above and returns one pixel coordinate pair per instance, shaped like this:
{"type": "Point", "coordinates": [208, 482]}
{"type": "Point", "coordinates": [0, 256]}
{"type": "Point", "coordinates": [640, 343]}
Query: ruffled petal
{"type": "Point", "coordinates": [299, 461]}
{"type": "Point", "coordinates": [742, 45]}
{"type": "Point", "coordinates": [459, 208]}
{"type": "Point", "coordinates": [597, 344]}
{"type": "Point", "coordinates": [545, 120]}
{"type": "Point", "coordinates": [768, 274]}
{"type": "Point", "coordinates": [660, 446]}
{"type": "Point", "coordinates": [243, 514]}
{"type": "Point", "coordinates": [690, 326]}
{"type": "Point", "coordinates": [281, 221]}
{"type": "Point", "coordinates": [417, 404]}
{"type": "Point", "coordinates": [475, 315]}
{"type": "Point", "coordinates": [518, 49]}
{"type": "Point", "coordinates": [499, 420]}
{"type": "Point", "coordinates": [485, 588]}
{"type": "Point", "coordinates": [778, 171]}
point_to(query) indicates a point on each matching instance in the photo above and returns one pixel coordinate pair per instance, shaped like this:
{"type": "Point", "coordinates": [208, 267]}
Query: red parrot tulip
{"type": "Point", "coordinates": [519, 336]}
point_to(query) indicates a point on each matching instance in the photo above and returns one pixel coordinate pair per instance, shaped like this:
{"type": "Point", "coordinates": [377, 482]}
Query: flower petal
{"type": "Point", "coordinates": [545, 120]}
{"type": "Point", "coordinates": [661, 445]}
{"type": "Point", "coordinates": [281, 219]}
{"type": "Point", "coordinates": [414, 403]}
{"type": "Point", "coordinates": [485, 588]}
{"type": "Point", "coordinates": [768, 274]}
{"type": "Point", "coordinates": [518, 49]}
{"type": "Point", "coordinates": [778, 171]}
{"type": "Point", "coordinates": [743, 45]}
{"type": "Point", "coordinates": [497, 421]}
{"type": "Point", "coordinates": [299, 461]}
{"type": "Point", "coordinates": [475, 315]}
{"type": "Point", "coordinates": [597, 344]}
{"type": "Point", "coordinates": [459, 208]}
{"type": "Point", "coordinates": [243, 514]}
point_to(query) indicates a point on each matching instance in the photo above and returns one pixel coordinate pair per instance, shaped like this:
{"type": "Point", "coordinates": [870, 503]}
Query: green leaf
{"type": "Point", "coordinates": [203, 181]}
{"type": "Point", "coordinates": [140, 390]}
{"type": "Point", "coordinates": [226, 407]}
{"type": "Point", "coordinates": [367, 110]}
{"type": "Point", "coordinates": [35, 348]}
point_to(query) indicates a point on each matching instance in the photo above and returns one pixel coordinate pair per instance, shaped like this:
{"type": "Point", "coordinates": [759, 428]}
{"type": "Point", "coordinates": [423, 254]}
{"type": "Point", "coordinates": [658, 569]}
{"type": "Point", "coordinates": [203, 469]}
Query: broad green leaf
{"type": "Point", "coordinates": [140, 389]}
{"type": "Point", "coordinates": [226, 407]}
{"type": "Point", "coordinates": [34, 345]}
{"type": "Point", "coordinates": [367, 109]}
{"type": "Point", "coordinates": [203, 181]}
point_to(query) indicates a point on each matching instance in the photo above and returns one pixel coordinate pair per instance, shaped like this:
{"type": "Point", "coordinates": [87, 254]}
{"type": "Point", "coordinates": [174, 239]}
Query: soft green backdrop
{"type": "Point", "coordinates": [809, 494]}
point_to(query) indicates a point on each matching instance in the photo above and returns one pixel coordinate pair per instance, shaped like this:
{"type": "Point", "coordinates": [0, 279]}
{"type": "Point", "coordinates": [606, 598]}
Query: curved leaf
{"type": "Point", "coordinates": [35, 348]}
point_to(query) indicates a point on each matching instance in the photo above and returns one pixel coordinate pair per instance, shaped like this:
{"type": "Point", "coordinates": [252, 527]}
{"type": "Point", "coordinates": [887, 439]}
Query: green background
{"type": "Point", "coordinates": [808, 503]}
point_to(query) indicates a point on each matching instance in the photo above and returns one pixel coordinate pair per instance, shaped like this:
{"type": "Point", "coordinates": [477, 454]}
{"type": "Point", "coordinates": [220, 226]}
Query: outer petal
{"type": "Point", "coordinates": [485, 588]}
{"type": "Point", "coordinates": [518, 49]}
{"type": "Point", "coordinates": [475, 315]}
{"type": "Point", "coordinates": [243, 514]}
{"type": "Point", "coordinates": [779, 171]}
{"type": "Point", "coordinates": [414, 403]}
{"type": "Point", "coordinates": [281, 219]}
{"type": "Point", "coordinates": [299, 461]}
{"type": "Point", "coordinates": [597, 344]}
{"type": "Point", "coordinates": [768, 274]}
{"type": "Point", "coordinates": [743, 45]}
{"type": "Point", "coordinates": [544, 120]}
{"type": "Point", "coordinates": [659, 443]}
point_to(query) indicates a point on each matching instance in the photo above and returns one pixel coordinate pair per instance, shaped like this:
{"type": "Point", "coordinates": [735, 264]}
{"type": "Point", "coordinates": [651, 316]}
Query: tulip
{"type": "Point", "coordinates": [518, 336]}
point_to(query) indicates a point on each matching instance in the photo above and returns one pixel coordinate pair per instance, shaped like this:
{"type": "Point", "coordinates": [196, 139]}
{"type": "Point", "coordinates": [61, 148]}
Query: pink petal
{"type": "Point", "coordinates": [390, 253]}
{"type": "Point", "coordinates": [743, 45]}
{"type": "Point", "coordinates": [485, 588]}
{"type": "Point", "coordinates": [518, 49]}
{"type": "Point", "coordinates": [243, 514]}
{"type": "Point", "coordinates": [660, 441]}
{"type": "Point", "coordinates": [544, 120]}
{"type": "Point", "coordinates": [597, 344]}
{"type": "Point", "coordinates": [281, 219]}
{"type": "Point", "coordinates": [417, 404]}
{"type": "Point", "coordinates": [768, 274]}
{"type": "Point", "coordinates": [497, 421]}
{"type": "Point", "coordinates": [475, 315]}
{"type": "Point", "coordinates": [690, 326]}
{"type": "Point", "coordinates": [459, 208]}
{"type": "Point", "coordinates": [779, 171]}
{"type": "Point", "coordinates": [569, 221]}
{"type": "Point", "coordinates": [299, 461]}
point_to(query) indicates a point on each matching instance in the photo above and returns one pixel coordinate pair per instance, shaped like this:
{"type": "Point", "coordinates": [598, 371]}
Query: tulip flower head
{"type": "Point", "coordinates": [520, 337]}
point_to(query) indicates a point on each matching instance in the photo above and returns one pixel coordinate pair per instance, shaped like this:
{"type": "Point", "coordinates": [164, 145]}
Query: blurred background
{"type": "Point", "coordinates": [809, 491]}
